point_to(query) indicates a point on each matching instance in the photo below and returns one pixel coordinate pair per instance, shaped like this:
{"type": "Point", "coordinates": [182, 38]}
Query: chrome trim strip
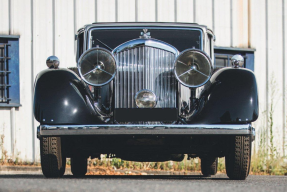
{"type": "Point", "coordinates": [115, 129]}
{"type": "Point", "coordinates": [155, 43]}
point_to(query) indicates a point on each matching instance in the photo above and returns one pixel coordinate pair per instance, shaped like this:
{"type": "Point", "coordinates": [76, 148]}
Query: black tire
{"type": "Point", "coordinates": [79, 166]}
{"type": "Point", "coordinates": [53, 162]}
{"type": "Point", "coordinates": [209, 166]}
{"type": "Point", "coordinates": [238, 159]}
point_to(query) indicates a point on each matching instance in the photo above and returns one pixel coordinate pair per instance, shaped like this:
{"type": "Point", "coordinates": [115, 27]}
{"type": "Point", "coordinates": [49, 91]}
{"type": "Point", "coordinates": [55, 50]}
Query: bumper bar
{"type": "Point", "coordinates": [216, 129]}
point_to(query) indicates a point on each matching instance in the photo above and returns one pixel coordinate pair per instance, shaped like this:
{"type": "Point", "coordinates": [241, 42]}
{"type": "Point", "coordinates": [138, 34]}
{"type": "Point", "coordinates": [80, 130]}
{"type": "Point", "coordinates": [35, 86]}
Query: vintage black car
{"type": "Point", "coordinates": [146, 92]}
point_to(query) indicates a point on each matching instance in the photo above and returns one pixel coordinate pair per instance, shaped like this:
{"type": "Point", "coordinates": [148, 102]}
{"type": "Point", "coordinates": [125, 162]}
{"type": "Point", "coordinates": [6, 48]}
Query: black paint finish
{"type": "Point", "coordinates": [62, 98]}
{"type": "Point", "coordinates": [145, 114]}
{"type": "Point", "coordinates": [230, 97]}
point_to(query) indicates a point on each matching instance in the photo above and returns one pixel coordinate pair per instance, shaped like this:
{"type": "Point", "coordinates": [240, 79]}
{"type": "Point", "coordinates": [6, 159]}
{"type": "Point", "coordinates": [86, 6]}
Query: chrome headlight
{"type": "Point", "coordinates": [145, 99]}
{"type": "Point", "coordinates": [192, 68]}
{"type": "Point", "coordinates": [97, 66]}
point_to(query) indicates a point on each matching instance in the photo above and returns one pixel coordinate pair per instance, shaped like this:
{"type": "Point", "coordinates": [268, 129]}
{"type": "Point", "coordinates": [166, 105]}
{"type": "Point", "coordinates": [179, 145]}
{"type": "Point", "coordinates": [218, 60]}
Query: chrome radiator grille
{"type": "Point", "coordinates": [145, 67]}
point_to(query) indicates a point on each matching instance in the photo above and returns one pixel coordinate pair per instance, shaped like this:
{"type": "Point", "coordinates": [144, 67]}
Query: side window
{"type": "Point", "coordinates": [80, 45]}
{"type": "Point", "coordinates": [222, 60]}
{"type": "Point", "coordinates": [9, 71]}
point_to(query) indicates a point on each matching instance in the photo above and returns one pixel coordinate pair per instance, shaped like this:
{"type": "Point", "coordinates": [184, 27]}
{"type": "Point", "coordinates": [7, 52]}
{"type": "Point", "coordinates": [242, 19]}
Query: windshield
{"type": "Point", "coordinates": [180, 38]}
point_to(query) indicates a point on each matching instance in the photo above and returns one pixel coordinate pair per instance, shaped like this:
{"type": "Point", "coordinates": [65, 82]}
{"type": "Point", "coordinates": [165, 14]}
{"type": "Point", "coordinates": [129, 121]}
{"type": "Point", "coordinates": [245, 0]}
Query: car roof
{"type": "Point", "coordinates": [151, 24]}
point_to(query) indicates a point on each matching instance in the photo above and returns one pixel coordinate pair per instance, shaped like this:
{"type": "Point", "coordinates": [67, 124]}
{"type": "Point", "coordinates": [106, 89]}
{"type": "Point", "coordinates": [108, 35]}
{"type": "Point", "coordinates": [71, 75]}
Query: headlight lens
{"type": "Point", "coordinates": [145, 99]}
{"type": "Point", "coordinates": [192, 68]}
{"type": "Point", "coordinates": [97, 66]}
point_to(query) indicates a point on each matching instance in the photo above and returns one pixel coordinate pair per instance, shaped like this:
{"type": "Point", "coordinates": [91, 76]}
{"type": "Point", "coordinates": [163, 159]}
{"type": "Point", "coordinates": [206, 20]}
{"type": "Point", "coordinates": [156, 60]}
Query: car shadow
{"type": "Point", "coordinates": [153, 177]}
{"type": "Point", "coordinates": [135, 177]}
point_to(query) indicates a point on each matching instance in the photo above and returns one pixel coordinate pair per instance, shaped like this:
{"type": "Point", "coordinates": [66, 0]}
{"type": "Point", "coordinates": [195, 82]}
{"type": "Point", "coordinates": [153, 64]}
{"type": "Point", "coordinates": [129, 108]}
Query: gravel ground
{"type": "Point", "coordinates": [36, 182]}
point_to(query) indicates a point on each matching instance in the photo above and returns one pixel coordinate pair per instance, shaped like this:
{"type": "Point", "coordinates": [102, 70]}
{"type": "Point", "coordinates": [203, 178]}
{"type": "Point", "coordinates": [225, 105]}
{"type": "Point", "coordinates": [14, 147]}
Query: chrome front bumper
{"type": "Point", "coordinates": [199, 129]}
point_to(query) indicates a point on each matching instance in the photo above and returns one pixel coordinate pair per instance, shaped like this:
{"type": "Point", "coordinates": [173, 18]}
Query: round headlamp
{"type": "Point", "coordinates": [145, 99]}
{"type": "Point", "coordinates": [192, 68]}
{"type": "Point", "coordinates": [97, 66]}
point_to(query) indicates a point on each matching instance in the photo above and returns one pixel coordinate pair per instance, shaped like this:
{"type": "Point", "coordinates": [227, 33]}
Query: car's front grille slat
{"type": "Point", "coordinates": [145, 67]}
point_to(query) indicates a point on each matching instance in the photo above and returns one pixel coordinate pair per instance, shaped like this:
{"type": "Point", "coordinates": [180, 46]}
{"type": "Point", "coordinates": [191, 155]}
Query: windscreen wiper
{"type": "Point", "coordinates": [104, 44]}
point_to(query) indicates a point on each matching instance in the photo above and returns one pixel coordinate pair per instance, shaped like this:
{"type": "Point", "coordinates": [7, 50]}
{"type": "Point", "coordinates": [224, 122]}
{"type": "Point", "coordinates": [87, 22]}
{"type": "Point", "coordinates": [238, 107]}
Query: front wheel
{"type": "Point", "coordinates": [209, 166]}
{"type": "Point", "coordinates": [79, 166]}
{"type": "Point", "coordinates": [238, 159]}
{"type": "Point", "coordinates": [53, 162]}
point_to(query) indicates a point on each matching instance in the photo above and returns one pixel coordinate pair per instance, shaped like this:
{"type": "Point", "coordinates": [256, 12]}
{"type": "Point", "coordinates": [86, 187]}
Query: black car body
{"type": "Point", "coordinates": [146, 92]}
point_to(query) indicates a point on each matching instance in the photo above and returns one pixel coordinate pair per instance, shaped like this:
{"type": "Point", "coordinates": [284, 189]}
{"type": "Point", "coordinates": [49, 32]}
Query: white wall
{"type": "Point", "coordinates": [47, 27]}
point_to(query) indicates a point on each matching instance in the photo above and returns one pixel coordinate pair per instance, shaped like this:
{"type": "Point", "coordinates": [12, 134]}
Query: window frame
{"type": "Point", "coordinates": [80, 39]}
{"type": "Point", "coordinates": [13, 68]}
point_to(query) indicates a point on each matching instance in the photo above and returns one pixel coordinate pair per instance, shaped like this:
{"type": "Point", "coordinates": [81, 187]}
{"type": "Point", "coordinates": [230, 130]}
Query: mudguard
{"type": "Point", "coordinates": [229, 97]}
{"type": "Point", "coordinates": [60, 97]}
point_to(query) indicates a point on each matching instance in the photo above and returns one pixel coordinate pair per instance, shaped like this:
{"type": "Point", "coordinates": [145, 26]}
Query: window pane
{"type": "Point", "coordinates": [222, 60]}
{"type": "Point", "coordinates": [181, 39]}
{"type": "Point", "coordinates": [208, 46]}
{"type": "Point", "coordinates": [2, 75]}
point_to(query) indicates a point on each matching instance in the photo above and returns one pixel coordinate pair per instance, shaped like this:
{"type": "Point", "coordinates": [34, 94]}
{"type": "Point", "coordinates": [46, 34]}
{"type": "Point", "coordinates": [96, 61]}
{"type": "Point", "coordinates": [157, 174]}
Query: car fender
{"type": "Point", "coordinates": [60, 97]}
{"type": "Point", "coordinates": [230, 96]}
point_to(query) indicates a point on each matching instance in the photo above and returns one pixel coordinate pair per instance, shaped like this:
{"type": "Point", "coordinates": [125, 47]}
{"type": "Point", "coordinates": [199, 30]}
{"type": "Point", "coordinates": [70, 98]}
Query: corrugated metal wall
{"type": "Point", "coordinates": [47, 27]}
